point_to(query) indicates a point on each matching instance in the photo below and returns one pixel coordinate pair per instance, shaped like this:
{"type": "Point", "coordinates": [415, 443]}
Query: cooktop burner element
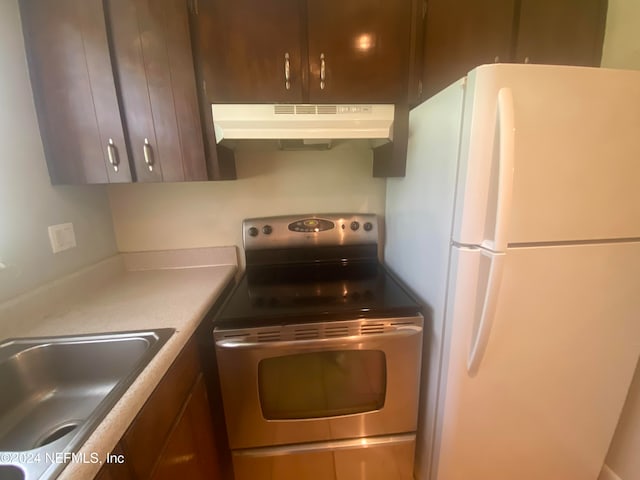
{"type": "Point", "coordinates": [310, 268]}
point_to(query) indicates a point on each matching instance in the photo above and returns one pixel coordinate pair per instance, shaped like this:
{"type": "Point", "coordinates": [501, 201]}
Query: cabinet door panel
{"type": "Point", "coordinates": [145, 437]}
{"type": "Point", "coordinates": [184, 89]}
{"type": "Point", "coordinates": [462, 34]}
{"type": "Point", "coordinates": [157, 79]}
{"type": "Point", "coordinates": [166, 47]}
{"type": "Point", "coordinates": [564, 32]}
{"type": "Point", "coordinates": [115, 471]}
{"type": "Point", "coordinates": [74, 90]}
{"type": "Point", "coordinates": [190, 451]}
{"type": "Point", "coordinates": [132, 76]}
{"type": "Point", "coordinates": [245, 43]}
{"type": "Point", "coordinates": [366, 47]}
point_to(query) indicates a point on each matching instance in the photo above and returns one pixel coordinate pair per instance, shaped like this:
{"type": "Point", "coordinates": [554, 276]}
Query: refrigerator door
{"type": "Point", "coordinates": [548, 154]}
{"type": "Point", "coordinates": [543, 398]}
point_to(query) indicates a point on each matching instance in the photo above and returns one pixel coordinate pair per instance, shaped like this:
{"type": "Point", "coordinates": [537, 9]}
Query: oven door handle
{"type": "Point", "coordinates": [398, 332]}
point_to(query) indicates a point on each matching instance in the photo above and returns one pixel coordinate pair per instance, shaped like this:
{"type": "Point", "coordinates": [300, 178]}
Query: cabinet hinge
{"type": "Point", "coordinates": [193, 5]}
{"type": "Point", "coordinates": [424, 9]}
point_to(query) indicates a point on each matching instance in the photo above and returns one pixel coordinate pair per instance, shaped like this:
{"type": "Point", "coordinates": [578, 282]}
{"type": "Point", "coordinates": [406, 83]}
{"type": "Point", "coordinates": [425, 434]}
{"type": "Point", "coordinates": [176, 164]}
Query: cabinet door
{"type": "Point", "coordinates": [246, 44]}
{"type": "Point", "coordinates": [361, 48]}
{"type": "Point", "coordinates": [190, 450]}
{"type": "Point", "coordinates": [563, 32]}
{"type": "Point", "coordinates": [462, 34]}
{"type": "Point", "coordinates": [113, 470]}
{"type": "Point", "coordinates": [152, 52]}
{"type": "Point", "coordinates": [143, 442]}
{"type": "Point", "coordinates": [74, 90]}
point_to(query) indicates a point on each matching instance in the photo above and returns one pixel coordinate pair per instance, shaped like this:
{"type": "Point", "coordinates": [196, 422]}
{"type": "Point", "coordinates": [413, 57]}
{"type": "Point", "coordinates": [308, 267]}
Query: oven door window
{"type": "Point", "coordinates": [322, 384]}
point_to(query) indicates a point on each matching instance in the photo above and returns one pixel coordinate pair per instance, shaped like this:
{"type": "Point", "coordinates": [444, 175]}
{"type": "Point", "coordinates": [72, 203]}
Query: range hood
{"type": "Point", "coordinates": [306, 122]}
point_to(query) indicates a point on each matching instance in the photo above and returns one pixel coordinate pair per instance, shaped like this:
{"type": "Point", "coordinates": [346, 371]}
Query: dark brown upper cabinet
{"type": "Point", "coordinates": [74, 91]}
{"type": "Point", "coordinates": [115, 90]}
{"type": "Point", "coordinates": [462, 34]}
{"type": "Point", "coordinates": [292, 51]}
{"type": "Point", "coordinates": [151, 48]}
{"type": "Point", "coordinates": [358, 50]}
{"type": "Point", "coordinates": [251, 50]}
{"type": "Point", "coordinates": [566, 32]}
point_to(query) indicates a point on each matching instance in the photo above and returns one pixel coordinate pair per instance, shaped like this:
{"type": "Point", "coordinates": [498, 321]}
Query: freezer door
{"type": "Point", "coordinates": [549, 154]}
{"type": "Point", "coordinates": [543, 398]}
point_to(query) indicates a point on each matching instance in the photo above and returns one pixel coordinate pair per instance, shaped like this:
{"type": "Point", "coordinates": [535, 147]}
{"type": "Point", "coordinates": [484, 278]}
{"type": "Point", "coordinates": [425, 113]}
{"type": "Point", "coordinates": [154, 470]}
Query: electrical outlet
{"type": "Point", "coordinates": [62, 237]}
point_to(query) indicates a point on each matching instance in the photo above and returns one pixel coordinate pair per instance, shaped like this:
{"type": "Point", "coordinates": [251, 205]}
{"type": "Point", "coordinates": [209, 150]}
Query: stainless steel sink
{"type": "Point", "coordinates": [56, 390]}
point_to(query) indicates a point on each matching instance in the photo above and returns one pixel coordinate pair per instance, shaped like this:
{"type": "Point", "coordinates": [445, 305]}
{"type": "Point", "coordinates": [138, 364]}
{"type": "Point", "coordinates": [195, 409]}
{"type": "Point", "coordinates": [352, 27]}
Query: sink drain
{"type": "Point", "coordinates": [56, 433]}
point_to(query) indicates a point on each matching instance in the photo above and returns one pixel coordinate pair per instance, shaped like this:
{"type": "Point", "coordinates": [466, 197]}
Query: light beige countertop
{"type": "Point", "coordinates": [126, 292]}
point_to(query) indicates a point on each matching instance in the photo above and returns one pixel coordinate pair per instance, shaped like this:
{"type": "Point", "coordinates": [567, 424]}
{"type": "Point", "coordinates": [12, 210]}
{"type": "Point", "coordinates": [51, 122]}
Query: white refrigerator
{"type": "Point", "coordinates": [518, 225]}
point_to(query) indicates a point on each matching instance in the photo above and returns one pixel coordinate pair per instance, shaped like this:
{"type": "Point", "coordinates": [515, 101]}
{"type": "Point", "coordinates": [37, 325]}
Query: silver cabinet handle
{"type": "Point", "coordinates": [112, 152]}
{"type": "Point", "coordinates": [527, 60]}
{"type": "Point", "coordinates": [322, 71]}
{"type": "Point", "coordinates": [287, 72]}
{"type": "Point", "coordinates": [148, 154]}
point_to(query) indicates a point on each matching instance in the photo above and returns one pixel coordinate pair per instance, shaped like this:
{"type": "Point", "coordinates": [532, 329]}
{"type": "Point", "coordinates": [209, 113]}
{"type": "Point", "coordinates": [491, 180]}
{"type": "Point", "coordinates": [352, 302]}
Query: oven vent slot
{"type": "Point", "coordinates": [403, 323]}
{"type": "Point", "coordinates": [372, 328]}
{"type": "Point", "coordinates": [269, 336]}
{"type": "Point", "coordinates": [336, 331]}
{"type": "Point", "coordinates": [235, 335]}
{"type": "Point", "coordinates": [306, 333]}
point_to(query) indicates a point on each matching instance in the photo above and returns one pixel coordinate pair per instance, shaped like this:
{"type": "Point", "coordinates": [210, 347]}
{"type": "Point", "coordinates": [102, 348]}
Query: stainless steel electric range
{"type": "Point", "coordinates": [319, 352]}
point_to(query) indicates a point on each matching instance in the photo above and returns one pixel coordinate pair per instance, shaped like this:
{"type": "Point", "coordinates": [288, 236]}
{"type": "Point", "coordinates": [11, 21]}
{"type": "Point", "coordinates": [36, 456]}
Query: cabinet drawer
{"type": "Point", "coordinates": [146, 436]}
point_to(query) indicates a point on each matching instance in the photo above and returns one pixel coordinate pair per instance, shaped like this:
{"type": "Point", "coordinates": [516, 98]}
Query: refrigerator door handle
{"type": "Point", "coordinates": [506, 159]}
{"type": "Point", "coordinates": [481, 335]}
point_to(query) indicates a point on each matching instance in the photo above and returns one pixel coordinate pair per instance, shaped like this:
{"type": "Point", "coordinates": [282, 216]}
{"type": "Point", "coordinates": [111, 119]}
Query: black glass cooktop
{"type": "Point", "coordinates": [306, 293]}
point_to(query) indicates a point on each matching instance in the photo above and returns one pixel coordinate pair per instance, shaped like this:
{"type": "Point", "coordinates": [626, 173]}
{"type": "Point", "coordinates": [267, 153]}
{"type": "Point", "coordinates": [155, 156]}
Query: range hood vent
{"type": "Point", "coordinates": [302, 122]}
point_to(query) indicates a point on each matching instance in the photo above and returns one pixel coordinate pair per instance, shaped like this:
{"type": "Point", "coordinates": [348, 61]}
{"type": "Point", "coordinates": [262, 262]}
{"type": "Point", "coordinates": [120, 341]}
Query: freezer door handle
{"type": "Point", "coordinates": [480, 338]}
{"type": "Point", "coordinates": [506, 158]}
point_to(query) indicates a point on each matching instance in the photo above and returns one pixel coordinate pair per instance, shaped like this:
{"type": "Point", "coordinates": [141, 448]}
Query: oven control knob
{"type": "Point", "coordinates": [355, 226]}
{"type": "Point", "coordinates": [368, 226]}
{"type": "Point", "coordinates": [267, 229]}
{"type": "Point", "coordinates": [253, 231]}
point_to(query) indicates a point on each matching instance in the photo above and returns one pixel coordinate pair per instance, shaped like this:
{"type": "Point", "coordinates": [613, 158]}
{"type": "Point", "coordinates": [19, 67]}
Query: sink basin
{"type": "Point", "coordinates": [10, 472]}
{"type": "Point", "coordinates": [56, 390]}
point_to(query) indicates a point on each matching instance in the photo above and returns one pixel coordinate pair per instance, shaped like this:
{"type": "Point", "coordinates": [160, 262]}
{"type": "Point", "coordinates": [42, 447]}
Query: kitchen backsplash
{"type": "Point", "coordinates": [270, 182]}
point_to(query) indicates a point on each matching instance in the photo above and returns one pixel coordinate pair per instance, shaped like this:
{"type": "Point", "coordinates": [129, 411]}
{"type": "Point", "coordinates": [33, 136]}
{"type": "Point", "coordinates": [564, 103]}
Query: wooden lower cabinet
{"type": "Point", "coordinates": [172, 436]}
{"type": "Point", "coordinates": [190, 450]}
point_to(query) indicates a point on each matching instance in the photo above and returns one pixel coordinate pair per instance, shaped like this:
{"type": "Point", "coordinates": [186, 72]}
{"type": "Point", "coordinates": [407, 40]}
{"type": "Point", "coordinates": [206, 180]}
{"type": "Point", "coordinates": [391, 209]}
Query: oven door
{"type": "Point", "coordinates": [320, 381]}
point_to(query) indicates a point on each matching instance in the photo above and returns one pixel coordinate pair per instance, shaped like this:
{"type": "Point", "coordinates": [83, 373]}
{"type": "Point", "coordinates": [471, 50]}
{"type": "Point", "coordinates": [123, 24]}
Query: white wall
{"type": "Point", "coordinates": [271, 182]}
{"type": "Point", "coordinates": [622, 36]}
{"type": "Point", "coordinates": [622, 50]}
{"type": "Point", "coordinates": [28, 202]}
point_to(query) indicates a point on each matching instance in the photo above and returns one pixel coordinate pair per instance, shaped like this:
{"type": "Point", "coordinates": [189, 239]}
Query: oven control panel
{"type": "Point", "coordinates": [310, 230]}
